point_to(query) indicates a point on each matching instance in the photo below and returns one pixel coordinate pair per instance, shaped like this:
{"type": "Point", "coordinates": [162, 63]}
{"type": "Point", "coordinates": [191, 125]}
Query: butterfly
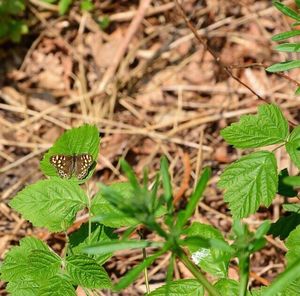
{"type": "Point", "coordinates": [69, 165]}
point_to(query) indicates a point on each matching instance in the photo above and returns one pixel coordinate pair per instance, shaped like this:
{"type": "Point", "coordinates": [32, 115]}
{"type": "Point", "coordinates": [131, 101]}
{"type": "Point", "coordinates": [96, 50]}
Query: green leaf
{"type": "Point", "coordinates": [13, 7]}
{"type": "Point", "coordinates": [286, 10]}
{"type": "Point", "coordinates": [84, 139]}
{"type": "Point", "coordinates": [262, 230]}
{"type": "Point", "coordinates": [63, 6]}
{"type": "Point", "coordinates": [284, 225]}
{"type": "Point", "coordinates": [283, 188]}
{"type": "Point", "coordinates": [187, 287]}
{"type": "Point", "coordinates": [166, 180]}
{"type": "Point", "coordinates": [268, 127]}
{"type": "Point", "coordinates": [16, 262]}
{"type": "Point", "coordinates": [250, 182]}
{"type": "Point", "coordinates": [99, 233]}
{"type": "Point", "coordinates": [286, 35]}
{"type": "Point", "coordinates": [56, 286]}
{"type": "Point", "coordinates": [132, 275]}
{"type": "Point", "coordinates": [86, 272]}
{"type": "Point", "coordinates": [288, 47]}
{"type": "Point", "coordinates": [86, 5]}
{"type": "Point", "coordinates": [211, 260]}
{"type": "Point", "coordinates": [104, 22]}
{"type": "Point", "coordinates": [184, 215]}
{"type": "Point", "coordinates": [293, 246]}
{"type": "Point", "coordinates": [44, 263]}
{"type": "Point", "coordinates": [292, 207]}
{"type": "Point", "coordinates": [293, 146]}
{"type": "Point", "coordinates": [284, 66]}
{"type": "Point", "coordinates": [227, 287]}
{"type": "Point", "coordinates": [113, 246]}
{"type": "Point", "coordinates": [33, 269]}
{"type": "Point", "coordinates": [51, 203]}
{"type": "Point", "coordinates": [297, 92]}
{"type": "Point", "coordinates": [297, 2]}
{"type": "Point", "coordinates": [292, 181]}
{"type": "Point", "coordinates": [111, 216]}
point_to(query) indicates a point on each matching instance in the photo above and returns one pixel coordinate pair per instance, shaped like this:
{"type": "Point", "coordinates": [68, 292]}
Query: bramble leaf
{"type": "Point", "coordinates": [293, 245]}
{"type": "Point", "coordinates": [211, 260]}
{"type": "Point", "coordinates": [187, 287]}
{"type": "Point", "coordinates": [293, 146]}
{"type": "Point", "coordinates": [284, 225]}
{"type": "Point", "coordinates": [250, 182]}
{"type": "Point", "coordinates": [228, 287]}
{"type": "Point", "coordinates": [268, 127]}
{"type": "Point", "coordinates": [84, 139]}
{"type": "Point", "coordinates": [51, 203]}
{"type": "Point", "coordinates": [33, 269]}
{"type": "Point", "coordinates": [288, 47]}
{"type": "Point", "coordinates": [86, 272]}
{"type": "Point", "coordinates": [283, 188]}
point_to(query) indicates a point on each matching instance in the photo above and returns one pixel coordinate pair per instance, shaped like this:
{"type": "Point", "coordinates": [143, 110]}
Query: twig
{"type": "Point", "coordinates": [213, 54]}
{"type": "Point", "coordinates": [134, 25]}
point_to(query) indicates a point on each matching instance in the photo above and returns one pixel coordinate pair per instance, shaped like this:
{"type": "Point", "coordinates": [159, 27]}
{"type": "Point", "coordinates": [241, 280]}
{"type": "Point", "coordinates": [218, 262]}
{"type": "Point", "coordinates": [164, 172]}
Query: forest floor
{"type": "Point", "coordinates": [152, 89]}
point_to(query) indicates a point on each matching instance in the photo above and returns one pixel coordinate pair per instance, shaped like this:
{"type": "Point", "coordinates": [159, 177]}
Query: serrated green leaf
{"type": "Point", "coordinates": [293, 246]}
{"type": "Point", "coordinates": [286, 10]}
{"type": "Point", "coordinates": [284, 66]}
{"type": "Point", "coordinates": [284, 225]}
{"type": "Point", "coordinates": [16, 261]}
{"type": "Point", "coordinates": [286, 35]}
{"type": "Point", "coordinates": [51, 203]}
{"type": "Point", "coordinates": [84, 139]}
{"type": "Point", "coordinates": [268, 127]}
{"type": "Point", "coordinates": [63, 6]}
{"type": "Point", "coordinates": [227, 287]}
{"type": "Point", "coordinates": [102, 207]}
{"type": "Point", "coordinates": [288, 47]}
{"type": "Point", "coordinates": [44, 264]}
{"type": "Point", "coordinates": [211, 260]}
{"type": "Point", "coordinates": [80, 239]}
{"type": "Point", "coordinates": [187, 287]}
{"type": "Point", "coordinates": [86, 272]}
{"type": "Point", "coordinates": [293, 146]}
{"type": "Point", "coordinates": [56, 286]}
{"type": "Point", "coordinates": [283, 188]}
{"type": "Point", "coordinates": [250, 182]}
{"type": "Point", "coordinates": [33, 269]}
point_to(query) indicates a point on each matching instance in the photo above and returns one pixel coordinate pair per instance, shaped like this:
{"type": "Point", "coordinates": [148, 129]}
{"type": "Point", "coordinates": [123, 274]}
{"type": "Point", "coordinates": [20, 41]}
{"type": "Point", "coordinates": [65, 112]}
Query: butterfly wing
{"type": "Point", "coordinates": [82, 164]}
{"type": "Point", "coordinates": [64, 165]}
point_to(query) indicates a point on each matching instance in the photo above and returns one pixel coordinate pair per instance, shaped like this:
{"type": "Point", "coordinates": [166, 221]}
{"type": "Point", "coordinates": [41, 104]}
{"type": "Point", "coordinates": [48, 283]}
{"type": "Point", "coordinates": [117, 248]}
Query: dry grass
{"type": "Point", "coordinates": [151, 88]}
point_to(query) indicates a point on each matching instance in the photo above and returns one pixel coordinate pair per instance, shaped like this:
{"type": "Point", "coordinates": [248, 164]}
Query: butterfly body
{"type": "Point", "coordinates": [69, 165]}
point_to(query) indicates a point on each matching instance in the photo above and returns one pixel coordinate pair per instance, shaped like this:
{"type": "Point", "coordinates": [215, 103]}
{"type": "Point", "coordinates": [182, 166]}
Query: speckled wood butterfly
{"type": "Point", "coordinates": [69, 165]}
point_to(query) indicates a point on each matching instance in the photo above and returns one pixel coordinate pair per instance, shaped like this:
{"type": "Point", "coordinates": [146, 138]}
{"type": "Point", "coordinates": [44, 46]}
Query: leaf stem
{"type": "Point", "coordinates": [197, 273]}
{"type": "Point", "coordinates": [146, 272]}
{"type": "Point", "coordinates": [244, 275]}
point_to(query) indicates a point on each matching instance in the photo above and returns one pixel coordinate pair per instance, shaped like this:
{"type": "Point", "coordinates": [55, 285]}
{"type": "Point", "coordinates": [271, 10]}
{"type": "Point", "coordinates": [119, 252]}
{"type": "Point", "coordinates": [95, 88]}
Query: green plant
{"type": "Point", "coordinates": [11, 26]}
{"type": "Point", "coordinates": [34, 269]}
{"type": "Point", "coordinates": [287, 46]}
